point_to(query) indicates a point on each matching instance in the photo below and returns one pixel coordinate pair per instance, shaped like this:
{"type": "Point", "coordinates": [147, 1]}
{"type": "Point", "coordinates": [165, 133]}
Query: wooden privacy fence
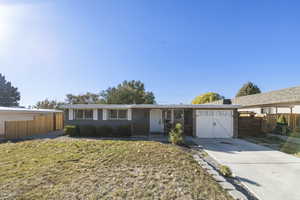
{"type": "Point", "coordinates": [58, 121]}
{"type": "Point", "coordinates": [253, 125]}
{"type": "Point", "coordinates": [39, 125]}
{"type": "Point", "coordinates": [249, 125]}
{"type": "Point", "coordinates": [270, 120]}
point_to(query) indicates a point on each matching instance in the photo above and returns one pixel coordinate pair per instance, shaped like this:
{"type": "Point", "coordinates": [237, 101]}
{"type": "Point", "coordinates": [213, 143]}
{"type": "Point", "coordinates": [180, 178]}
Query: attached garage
{"type": "Point", "coordinates": [215, 123]}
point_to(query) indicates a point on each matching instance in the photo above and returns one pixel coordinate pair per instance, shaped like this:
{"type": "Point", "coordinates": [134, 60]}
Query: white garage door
{"type": "Point", "coordinates": [214, 123]}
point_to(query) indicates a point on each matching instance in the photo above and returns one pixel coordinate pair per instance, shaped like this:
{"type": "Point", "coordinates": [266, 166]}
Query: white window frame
{"type": "Point", "coordinates": [95, 114]}
{"type": "Point", "coordinates": [128, 114]}
{"type": "Point", "coordinates": [83, 117]}
{"type": "Point", "coordinates": [71, 114]}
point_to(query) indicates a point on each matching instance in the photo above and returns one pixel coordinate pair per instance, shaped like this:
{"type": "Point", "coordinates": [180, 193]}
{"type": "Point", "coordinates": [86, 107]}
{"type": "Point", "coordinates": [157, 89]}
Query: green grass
{"type": "Point", "coordinates": [277, 144]}
{"type": "Point", "coordinates": [95, 169]}
{"type": "Point", "coordinates": [294, 134]}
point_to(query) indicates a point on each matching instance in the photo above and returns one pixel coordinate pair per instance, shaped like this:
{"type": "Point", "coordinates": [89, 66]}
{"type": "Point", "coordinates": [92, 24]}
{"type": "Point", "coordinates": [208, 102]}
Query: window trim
{"type": "Point", "coordinates": [83, 114]}
{"type": "Point", "coordinates": [118, 118]}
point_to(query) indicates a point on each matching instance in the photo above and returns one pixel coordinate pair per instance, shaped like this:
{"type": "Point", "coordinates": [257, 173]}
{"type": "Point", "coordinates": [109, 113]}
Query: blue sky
{"type": "Point", "coordinates": [178, 48]}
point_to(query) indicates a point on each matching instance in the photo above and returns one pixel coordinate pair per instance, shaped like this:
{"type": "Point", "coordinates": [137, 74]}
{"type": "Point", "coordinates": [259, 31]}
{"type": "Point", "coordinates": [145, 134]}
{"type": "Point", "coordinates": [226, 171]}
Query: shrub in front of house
{"type": "Point", "coordinates": [176, 135]}
{"type": "Point", "coordinates": [71, 130]}
{"type": "Point", "coordinates": [98, 131]}
{"type": "Point", "coordinates": [87, 131]}
{"type": "Point", "coordinates": [281, 126]}
{"type": "Point", "coordinates": [123, 131]}
{"type": "Point", "coordinates": [281, 120]}
{"type": "Point", "coordinates": [104, 131]}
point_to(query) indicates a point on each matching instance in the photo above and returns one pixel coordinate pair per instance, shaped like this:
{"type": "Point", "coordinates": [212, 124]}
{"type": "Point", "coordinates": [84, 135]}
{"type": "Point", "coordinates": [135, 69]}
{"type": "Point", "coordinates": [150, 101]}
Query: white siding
{"type": "Point", "coordinates": [255, 110]}
{"type": "Point", "coordinates": [297, 109]}
{"type": "Point", "coordinates": [272, 110]}
{"type": "Point", "coordinates": [13, 117]}
{"type": "Point", "coordinates": [282, 110]}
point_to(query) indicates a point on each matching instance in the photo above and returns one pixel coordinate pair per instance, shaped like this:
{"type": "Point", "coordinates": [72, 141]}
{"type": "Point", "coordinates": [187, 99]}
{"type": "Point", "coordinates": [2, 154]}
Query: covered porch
{"type": "Point", "coordinates": [163, 120]}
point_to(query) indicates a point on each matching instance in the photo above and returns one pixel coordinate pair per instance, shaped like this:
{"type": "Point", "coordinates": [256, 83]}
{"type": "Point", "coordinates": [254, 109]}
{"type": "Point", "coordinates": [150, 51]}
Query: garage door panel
{"type": "Point", "coordinates": [214, 123]}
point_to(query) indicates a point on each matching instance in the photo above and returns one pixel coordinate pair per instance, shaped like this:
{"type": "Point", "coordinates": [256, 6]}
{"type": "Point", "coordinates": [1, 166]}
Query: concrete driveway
{"type": "Point", "coordinates": [268, 174]}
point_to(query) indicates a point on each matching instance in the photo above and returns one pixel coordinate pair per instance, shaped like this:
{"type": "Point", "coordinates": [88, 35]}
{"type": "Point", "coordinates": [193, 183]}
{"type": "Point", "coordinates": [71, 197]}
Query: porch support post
{"type": "Point", "coordinates": [290, 118]}
{"type": "Point", "coordinates": [172, 116]}
{"type": "Point", "coordinates": [235, 123]}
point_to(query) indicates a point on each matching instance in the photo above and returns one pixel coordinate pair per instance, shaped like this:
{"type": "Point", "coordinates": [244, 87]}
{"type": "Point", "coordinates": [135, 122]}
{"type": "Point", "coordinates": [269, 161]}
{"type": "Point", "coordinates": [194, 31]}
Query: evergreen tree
{"type": "Point", "coordinates": [9, 95]}
{"type": "Point", "coordinates": [248, 89]}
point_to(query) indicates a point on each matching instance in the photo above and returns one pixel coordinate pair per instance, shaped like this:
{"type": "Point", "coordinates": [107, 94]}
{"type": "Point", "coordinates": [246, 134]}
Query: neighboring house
{"type": "Point", "coordinates": [20, 114]}
{"type": "Point", "coordinates": [207, 121]}
{"type": "Point", "coordinates": [274, 102]}
{"type": "Point", "coordinates": [278, 102]}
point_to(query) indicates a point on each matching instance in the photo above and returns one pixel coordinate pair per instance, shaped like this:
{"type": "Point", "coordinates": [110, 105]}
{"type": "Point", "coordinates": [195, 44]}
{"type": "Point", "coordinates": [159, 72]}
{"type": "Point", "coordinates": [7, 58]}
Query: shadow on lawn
{"type": "Point", "coordinates": [51, 135]}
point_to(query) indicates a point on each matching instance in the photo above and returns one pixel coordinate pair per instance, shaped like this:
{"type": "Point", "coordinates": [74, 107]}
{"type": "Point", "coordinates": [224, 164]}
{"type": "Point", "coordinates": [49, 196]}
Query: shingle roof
{"type": "Point", "coordinates": [279, 97]}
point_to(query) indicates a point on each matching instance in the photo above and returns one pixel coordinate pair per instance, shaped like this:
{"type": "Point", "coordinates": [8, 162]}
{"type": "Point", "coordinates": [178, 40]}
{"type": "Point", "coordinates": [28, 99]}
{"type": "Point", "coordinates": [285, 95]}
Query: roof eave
{"type": "Point", "coordinates": [153, 106]}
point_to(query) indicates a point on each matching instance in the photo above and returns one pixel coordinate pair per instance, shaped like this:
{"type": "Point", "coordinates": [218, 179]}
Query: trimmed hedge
{"type": "Point", "coordinates": [98, 131]}
{"type": "Point", "coordinates": [71, 130]}
{"type": "Point", "coordinates": [87, 131]}
{"type": "Point", "coordinates": [104, 131]}
{"type": "Point", "coordinates": [123, 131]}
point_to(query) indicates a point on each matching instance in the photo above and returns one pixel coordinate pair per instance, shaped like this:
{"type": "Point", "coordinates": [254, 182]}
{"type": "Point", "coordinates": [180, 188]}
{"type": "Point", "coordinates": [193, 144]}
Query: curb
{"type": "Point", "coordinates": [230, 188]}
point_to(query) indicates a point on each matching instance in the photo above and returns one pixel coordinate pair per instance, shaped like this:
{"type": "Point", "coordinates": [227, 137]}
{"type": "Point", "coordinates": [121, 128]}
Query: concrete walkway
{"type": "Point", "coordinates": [268, 174]}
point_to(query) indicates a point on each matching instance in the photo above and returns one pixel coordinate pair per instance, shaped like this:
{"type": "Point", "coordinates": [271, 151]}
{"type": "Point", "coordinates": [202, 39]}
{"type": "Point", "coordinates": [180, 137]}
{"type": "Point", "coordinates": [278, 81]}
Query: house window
{"type": "Point", "coordinates": [122, 114]}
{"type": "Point", "coordinates": [168, 115]}
{"type": "Point", "coordinates": [112, 114]}
{"type": "Point", "coordinates": [178, 115]}
{"type": "Point", "coordinates": [117, 114]}
{"type": "Point", "coordinates": [83, 114]}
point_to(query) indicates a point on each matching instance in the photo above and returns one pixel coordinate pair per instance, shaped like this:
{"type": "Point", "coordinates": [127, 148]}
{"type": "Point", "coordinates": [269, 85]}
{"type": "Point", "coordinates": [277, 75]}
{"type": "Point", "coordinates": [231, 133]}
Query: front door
{"type": "Point", "coordinates": [156, 121]}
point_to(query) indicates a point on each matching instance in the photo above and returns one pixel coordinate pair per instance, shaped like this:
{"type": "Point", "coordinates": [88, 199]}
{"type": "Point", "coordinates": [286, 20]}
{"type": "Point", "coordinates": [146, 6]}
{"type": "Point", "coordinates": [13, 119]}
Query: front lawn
{"type": "Point", "coordinates": [95, 169]}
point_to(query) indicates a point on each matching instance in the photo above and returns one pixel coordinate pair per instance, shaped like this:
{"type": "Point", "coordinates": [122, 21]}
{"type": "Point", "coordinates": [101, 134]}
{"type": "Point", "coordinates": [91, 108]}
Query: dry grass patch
{"type": "Point", "coordinates": [90, 169]}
